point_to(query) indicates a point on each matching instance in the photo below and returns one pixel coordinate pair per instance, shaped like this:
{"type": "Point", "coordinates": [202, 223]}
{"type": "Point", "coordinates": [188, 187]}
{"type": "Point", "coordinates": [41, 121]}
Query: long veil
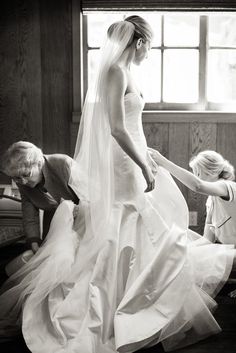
{"type": "Point", "coordinates": [92, 176]}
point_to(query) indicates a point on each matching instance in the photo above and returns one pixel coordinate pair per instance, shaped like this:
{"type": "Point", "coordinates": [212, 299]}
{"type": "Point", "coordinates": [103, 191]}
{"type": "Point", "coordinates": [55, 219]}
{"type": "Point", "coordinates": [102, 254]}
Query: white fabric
{"type": "Point", "coordinates": [92, 178]}
{"type": "Point", "coordinates": [150, 281]}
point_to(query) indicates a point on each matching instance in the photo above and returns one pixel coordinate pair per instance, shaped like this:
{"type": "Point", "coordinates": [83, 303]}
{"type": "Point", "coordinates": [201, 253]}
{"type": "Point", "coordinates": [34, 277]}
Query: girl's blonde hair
{"type": "Point", "coordinates": [213, 163]}
{"type": "Point", "coordinates": [20, 157]}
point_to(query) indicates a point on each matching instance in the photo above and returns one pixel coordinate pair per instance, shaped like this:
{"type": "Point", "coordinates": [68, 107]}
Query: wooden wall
{"type": "Point", "coordinates": [35, 73]}
{"type": "Point", "coordinates": [36, 92]}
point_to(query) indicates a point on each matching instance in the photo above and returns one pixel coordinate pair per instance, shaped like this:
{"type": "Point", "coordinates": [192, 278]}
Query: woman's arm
{"type": "Point", "coordinates": [116, 90]}
{"type": "Point", "coordinates": [215, 188]}
{"type": "Point", "coordinates": [31, 223]}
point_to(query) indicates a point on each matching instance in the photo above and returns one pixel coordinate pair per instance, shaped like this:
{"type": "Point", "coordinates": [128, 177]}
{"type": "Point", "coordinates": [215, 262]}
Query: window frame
{"type": "Point", "coordinates": [202, 105]}
{"type": "Point", "coordinates": [79, 66]}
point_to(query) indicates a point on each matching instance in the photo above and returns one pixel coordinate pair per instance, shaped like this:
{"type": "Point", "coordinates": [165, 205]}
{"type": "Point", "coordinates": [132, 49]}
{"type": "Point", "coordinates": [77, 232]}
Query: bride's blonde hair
{"type": "Point", "coordinates": [141, 29]}
{"type": "Point", "coordinates": [214, 164]}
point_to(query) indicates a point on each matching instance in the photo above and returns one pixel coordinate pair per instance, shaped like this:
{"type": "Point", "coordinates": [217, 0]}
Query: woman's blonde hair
{"type": "Point", "coordinates": [20, 157]}
{"type": "Point", "coordinates": [214, 164]}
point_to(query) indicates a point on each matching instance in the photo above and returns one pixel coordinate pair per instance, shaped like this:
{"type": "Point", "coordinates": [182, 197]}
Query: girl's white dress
{"type": "Point", "coordinates": [151, 281]}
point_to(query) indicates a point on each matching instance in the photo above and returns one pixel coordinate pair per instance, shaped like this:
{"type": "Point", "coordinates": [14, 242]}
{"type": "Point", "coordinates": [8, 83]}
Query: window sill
{"type": "Point", "coordinates": [173, 116]}
{"type": "Point", "coordinates": [151, 116]}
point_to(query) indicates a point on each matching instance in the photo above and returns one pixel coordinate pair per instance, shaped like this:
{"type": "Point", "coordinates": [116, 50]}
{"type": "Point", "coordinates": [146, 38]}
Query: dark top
{"type": "Point", "coordinates": [46, 195]}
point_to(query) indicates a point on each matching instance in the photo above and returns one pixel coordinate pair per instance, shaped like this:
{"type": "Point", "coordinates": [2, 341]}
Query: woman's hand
{"type": "Point", "coordinates": [75, 211]}
{"type": "Point", "coordinates": [149, 177]}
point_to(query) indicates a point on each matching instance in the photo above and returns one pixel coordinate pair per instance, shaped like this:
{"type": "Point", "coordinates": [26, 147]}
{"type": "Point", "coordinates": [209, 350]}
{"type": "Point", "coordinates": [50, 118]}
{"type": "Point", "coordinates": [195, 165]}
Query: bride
{"type": "Point", "coordinates": [123, 272]}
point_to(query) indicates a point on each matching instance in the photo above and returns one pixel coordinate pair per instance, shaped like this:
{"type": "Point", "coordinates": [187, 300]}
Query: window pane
{"type": "Point", "coordinates": [221, 75]}
{"type": "Point", "coordinates": [181, 30]}
{"type": "Point", "coordinates": [99, 23]}
{"type": "Point", "coordinates": [93, 62]}
{"type": "Point", "coordinates": [148, 76]}
{"type": "Point", "coordinates": [222, 30]}
{"type": "Point", "coordinates": [180, 83]}
{"type": "Point", "coordinates": [155, 22]}
{"type": "Point", "coordinates": [97, 27]}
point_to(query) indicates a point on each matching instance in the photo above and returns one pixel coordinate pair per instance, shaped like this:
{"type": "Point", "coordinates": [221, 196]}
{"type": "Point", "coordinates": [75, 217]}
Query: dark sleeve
{"type": "Point", "coordinates": [31, 222]}
{"type": "Point", "coordinates": [68, 162]}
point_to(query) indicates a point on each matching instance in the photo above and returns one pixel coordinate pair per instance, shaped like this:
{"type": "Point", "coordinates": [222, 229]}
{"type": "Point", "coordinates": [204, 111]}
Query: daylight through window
{"type": "Point", "coordinates": [192, 63]}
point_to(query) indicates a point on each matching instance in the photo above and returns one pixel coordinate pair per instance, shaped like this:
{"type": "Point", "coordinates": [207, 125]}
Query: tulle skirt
{"type": "Point", "coordinates": [151, 280]}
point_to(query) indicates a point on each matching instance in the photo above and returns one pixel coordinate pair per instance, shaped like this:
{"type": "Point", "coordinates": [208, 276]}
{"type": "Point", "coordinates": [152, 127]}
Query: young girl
{"type": "Point", "coordinates": [212, 175]}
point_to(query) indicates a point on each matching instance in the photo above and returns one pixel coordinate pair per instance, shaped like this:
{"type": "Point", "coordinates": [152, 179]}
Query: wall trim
{"type": "Point", "coordinates": [188, 117]}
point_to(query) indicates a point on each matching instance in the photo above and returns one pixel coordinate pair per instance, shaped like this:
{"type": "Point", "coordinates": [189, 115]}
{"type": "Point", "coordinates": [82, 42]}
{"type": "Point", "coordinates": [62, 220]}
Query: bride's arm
{"type": "Point", "coordinates": [214, 188]}
{"type": "Point", "coordinates": [116, 90]}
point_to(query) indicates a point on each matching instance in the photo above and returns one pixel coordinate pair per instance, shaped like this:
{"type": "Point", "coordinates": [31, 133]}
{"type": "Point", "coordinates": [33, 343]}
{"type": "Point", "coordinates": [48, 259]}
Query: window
{"type": "Point", "coordinates": [192, 63]}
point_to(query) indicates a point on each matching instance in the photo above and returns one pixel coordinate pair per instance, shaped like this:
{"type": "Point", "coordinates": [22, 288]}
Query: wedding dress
{"type": "Point", "coordinates": [151, 279]}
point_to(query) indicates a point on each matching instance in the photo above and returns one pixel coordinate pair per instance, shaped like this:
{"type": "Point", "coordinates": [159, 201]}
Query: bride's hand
{"type": "Point", "coordinates": [149, 177]}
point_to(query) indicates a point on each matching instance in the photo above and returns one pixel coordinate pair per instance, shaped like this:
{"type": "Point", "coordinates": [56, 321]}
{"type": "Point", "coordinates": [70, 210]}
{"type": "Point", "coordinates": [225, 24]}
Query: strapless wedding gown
{"type": "Point", "coordinates": [152, 281]}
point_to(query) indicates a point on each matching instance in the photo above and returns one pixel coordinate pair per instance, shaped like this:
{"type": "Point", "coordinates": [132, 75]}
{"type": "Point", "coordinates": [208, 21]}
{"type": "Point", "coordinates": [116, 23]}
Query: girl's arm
{"type": "Point", "coordinates": [209, 232]}
{"type": "Point", "coordinates": [116, 90]}
{"type": "Point", "coordinates": [215, 188]}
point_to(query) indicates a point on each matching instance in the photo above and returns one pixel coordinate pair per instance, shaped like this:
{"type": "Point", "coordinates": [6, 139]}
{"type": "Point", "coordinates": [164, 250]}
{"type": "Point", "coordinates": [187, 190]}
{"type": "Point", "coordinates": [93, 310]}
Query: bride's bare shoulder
{"type": "Point", "coordinates": [116, 72]}
{"type": "Point", "coordinates": [117, 78]}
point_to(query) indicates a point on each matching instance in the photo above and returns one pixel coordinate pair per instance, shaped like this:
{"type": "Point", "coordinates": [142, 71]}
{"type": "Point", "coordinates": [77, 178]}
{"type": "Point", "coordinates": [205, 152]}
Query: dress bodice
{"type": "Point", "coordinates": [134, 104]}
{"type": "Point", "coordinates": [129, 180]}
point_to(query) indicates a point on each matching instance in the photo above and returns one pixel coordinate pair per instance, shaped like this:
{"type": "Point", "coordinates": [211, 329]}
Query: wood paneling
{"type": "Point", "coordinates": [9, 77]}
{"type": "Point", "coordinates": [179, 149]}
{"type": "Point", "coordinates": [56, 74]}
{"type": "Point", "coordinates": [20, 73]}
{"type": "Point", "coordinates": [202, 137]}
{"type": "Point", "coordinates": [74, 127]}
{"type": "Point", "coordinates": [226, 141]}
{"type": "Point", "coordinates": [157, 136]}
{"type": "Point", "coordinates": [36, 74]}
{"type": "Point", "coordinates": [30, 71]}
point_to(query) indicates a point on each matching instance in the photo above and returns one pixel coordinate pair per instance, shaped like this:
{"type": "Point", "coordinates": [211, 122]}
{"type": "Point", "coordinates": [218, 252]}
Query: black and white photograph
{"type": "Point", "coordinates": [117, 176]}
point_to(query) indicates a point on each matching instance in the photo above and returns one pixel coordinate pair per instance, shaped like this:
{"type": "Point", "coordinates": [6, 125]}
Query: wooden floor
{"type": "Point", "coordinates": [224, 342]}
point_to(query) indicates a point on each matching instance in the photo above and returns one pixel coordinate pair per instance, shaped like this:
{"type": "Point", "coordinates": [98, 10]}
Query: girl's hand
{"type": "Point", "coordinates": [156, 156]}
{"type": "Point", "coordinates": [149, 177]}
{"type": "Point", "coordinates": [153, 165]}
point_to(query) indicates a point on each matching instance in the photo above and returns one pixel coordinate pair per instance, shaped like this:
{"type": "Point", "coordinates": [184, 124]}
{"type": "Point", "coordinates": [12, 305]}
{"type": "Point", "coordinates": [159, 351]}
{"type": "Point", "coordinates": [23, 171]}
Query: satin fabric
{"type": "Point", "coordinates": [152, 280]}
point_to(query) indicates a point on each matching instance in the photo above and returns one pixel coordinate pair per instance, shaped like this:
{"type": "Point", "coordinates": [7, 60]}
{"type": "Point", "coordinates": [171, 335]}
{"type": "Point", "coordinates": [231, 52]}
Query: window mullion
{"type": "Point", "coordinates": [162, 57]}
{"type": "Point", "coordinates": [203, 62]}
{"type": "Point", "coordinates": [85, 55]}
